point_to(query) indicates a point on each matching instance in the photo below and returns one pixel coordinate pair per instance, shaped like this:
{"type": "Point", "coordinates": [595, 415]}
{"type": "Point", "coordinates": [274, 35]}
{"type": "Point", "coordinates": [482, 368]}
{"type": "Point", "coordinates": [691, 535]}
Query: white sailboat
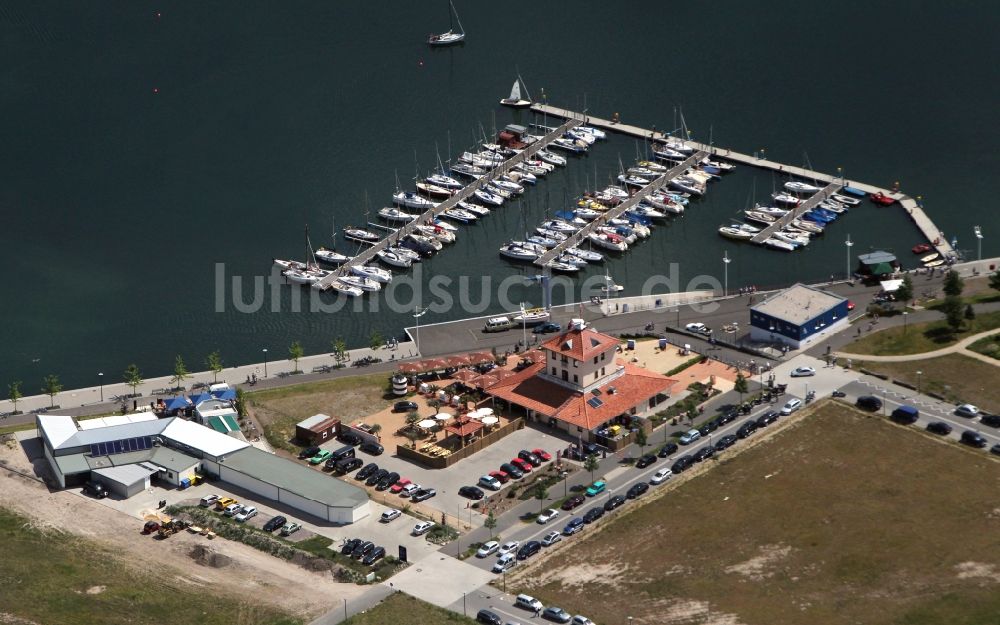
{"type": "Point", "coordinates": [451, 37]}
{"type": "Point", "coordinates": [515, 100]}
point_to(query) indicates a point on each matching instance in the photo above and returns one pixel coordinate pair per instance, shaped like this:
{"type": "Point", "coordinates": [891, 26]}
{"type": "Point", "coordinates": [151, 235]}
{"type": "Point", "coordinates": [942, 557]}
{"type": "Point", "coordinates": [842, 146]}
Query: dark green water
{"type": "Point", "coordinates": [139, 151]}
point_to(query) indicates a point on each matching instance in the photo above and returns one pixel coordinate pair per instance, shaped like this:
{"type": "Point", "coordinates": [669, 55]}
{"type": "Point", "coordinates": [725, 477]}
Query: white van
{"type": "Point", "coordinates": [505, 562]}
{"type": "Point", "coordinates": [791, 406]}
{"type": "Point", "coordinates": [528, 602]}
{"type": "Point", "coordinates": [498, 324]}
{"type": "Point", "coordinates": [221, 386]}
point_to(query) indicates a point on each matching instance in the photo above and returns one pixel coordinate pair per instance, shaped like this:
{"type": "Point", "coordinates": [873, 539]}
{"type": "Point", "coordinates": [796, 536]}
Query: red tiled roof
{"type": "Point", "coordinates": [466, 427]}
{"type": "Point", "coordinates": [580, 344]}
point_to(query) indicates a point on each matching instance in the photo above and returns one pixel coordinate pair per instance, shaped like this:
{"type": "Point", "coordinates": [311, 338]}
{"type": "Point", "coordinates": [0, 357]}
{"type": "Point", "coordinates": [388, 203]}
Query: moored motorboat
{"type": "Point", "coordinates": [433, 190]}
{"type": "Point", "coordinates": [360, 235]}
{"type": "Point", "coordinates": [796, 186]}
{"type": "Point", "coordinates": [444, 181]}
{"type": "Point", "coordinates": [921, 248]}
{"type": "Point", "coordinates": [394, 259]}
{"type": "Point", "coordinates": [476, 209]}
{"type": "Point", "coordinates": [552, 159]}
{"type": "Point", "coordinates": [735, 233]}
{"type": "Point", "coordinates": [329, 256]}
{"type": "Point", "coordinates": [593, 132]}
{"type": "Point", "coordinates": [517, 252]}
{"type": "Point", "coordinates": [930, 258]}
{"type": "Point", "coordinates": [373, 273]}
{"type": "Point", "coordinates": [759, 217]}
{"type": "Point", "coordinates": [611, 242]}
{"type": "Point", "coordinates": [488, 197]}
{"type": "Point", "coordinates": [532, 316]}
{"type": "Point", "coordinates": [779, 245]}
{"type": "Point", "coordinates": [556, 265]}
{"type": "Point", "coordinates": [588, 255]}
{"type": "Point", "coordinates": [882, 199]}
{"type": "Point", "coordinates": [306, 278]}
{"type": "Point", "coordinates": [843, 199]}
{"type": "Point", "coordinates": [785, 198]}
{"type": "Point", "coordinates": [405, 253]}
{"type": "Point", "coordinates": [422, 244]}
{"type": "Point", "coordinates": [436, 232]}
{"type": "Point", "coordinates": [459, 214]}
{"type": "Point", "coordinates": [346, 289]}
{"type": "Point", "coordinates": [410, 199]}
{"type": "Point", "coordinates": [391, 213]}
{"type": "Point", "coordinates": [467, 170]}
{"type": "Point", "coordinates": [363, 283]}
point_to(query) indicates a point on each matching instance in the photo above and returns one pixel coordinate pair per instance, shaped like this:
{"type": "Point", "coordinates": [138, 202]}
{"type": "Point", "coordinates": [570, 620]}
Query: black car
{"type": "Point", "coordinates": [349, 438]}
{"type": "Point", "coordinates": [424, 494]}
{"type": "Point", "coordinates": [593, 514]}
{"type": "Point", "coordinates": [404, 406]}
{"type": "Point", "coordinates": [573, 502]}
{"type": "Point", "coordinates": [767, 419]}
{"type": "Point", "coordinates": [471, 492]}
{"type": "Point", "coordinates": [387, 480]}
{"type": "Point", "coordinates": [667, 449]}
{"type": "Point", "coordinates": [547, 328]}
{"type": "Point", "coordinates": [869, 403]}
{"type": "Point", "coordinates": [708, 428]}
{"type": "Point", "coordinates": [973, 439]}
{"type": "Point", "coordinates": [992, 420]}
{"type": "Point", "coordinates": [373, 556]}
{"type": "Point", "coordinates": [275, 523]}
{"type": "Point", "coordinates": [349, 546]}
{"type": "Point", "coordinates": [369, 469]}
{"type": "Point", "coordinates": [995, 449]}
{"type": "Point", "coordinates": [746, 429]}
{"type": "Point", "coordinates": [725, 442]}
{"type": "Point", "coordinates": [682, 464]}
{"type": "Point", "coordinates": [939, 427]}
{"type": "Point", "coordinates": [512, 471]}
{"type": "Point", "coordinates": [645, 461]}
{"type": "Point", "coordinates": [529, 549]}
{"type": "Point", "coordinates": [637, 490]}
{"type": "Point", "coordinates": [346, 465]}
{"type": "Point", "coordinates": [371, 448]}
{"type": "Point", "coordinates": [309, 452]}
{"type": "Point", "coordinates": [727, 417]}
{"type": "Point", "coordinates": [376, 477]}
{"type": "Point", "coordinates": [704, 453]}
{"type": "Point", "coordinates": [362, 549]}
{"type": "Point", "coordinates": [488, 618]}
{"type": "Point", "coordinates": [486, 367]}
{"type": "Point", "coordinates": [615, 502]}
{"type": "Point", "coordinates": [529, 457]}
{"type": "Point", "coordinates": [95, 489]}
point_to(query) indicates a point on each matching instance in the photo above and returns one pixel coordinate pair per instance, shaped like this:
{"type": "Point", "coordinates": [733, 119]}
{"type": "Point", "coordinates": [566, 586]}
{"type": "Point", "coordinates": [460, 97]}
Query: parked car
{"type": "Point", "coordinates": [905, 415]}
{"type": "Point", "coordinates": [995, 449]}
{"type": "Point", "coordinates": [505, 562]}
{"type": "Point", "coordinates": [362, 549]}
{"type": "Point", "coordinates": [349, 438]}
{"type": "Point", "coordinates": [939, 427]}
{"type": "Point", "coordinates": [682, 464]}
{"type": "Point", "coordinates": [528, 602]}
{"type": "Point", "coordinates": [697, 328]}
{"type": "Point", "coordinates": [500, 476]}
{"type": "Point", "coordinates": [400, 485]}
{"type": "Point", "coordinates": [690, 436]}
{"type": "Point", "coordinates": [581, 620]}
{"type": "Point", "coordinates": [645, 461]}
{"type": "Point", "coordinates": [408, 490]}
{"type": "Point", "coordinates": [224, 503]}
{"type": "Point", "coordinates": [596, 488]}
{"type": "Point", "coordinates": [991, 420]}
{"type": "Point", "coordinates": [725, 442]}
{"type": "Point", "coordinates": [390, 515]}
{"type": "Point", "coordinates": [661, 476]}
{"type": "Point", "coordinates": [488, 549]}
{"type": "Point", "coordinates": [246, 514]}
{"type": "Point", "coordinates": [346, 465]}
{"type": "Point", "coordinates": [708, 428]}
{"type": "Point", "coordinates": [615, 502]}
{"type": "Point", "coordinates": [524, 465]}
{"type": "Point", "coordinates": [666, 450]}
{"type": "Point", "coordinates": [309, 452]}
{"type": "Point", "coordinates": [322, 456]}
{"type": "Point", "coordinates": [541, 453]}
{"type": "Point", "coordinates": [973, 439]}
{"type": "Point", "coordinates": [275, 523]}
{"type": "Point", "coordinates": [290, 528]}
{"type": "Point", "coordinates": [530, 458]}
{"type": "Point", "coordinates": [553, 537]}
{"type": "Point", "coordinates": [423, 494]}
{"type": "Point", "coordinates": [232, 509]}
{"type": "Point", "coordinates": [747, 429]}
{"type": "Point", "coordinates": [422, 528]}
{"type": "Point", "coordinates": [96, 489]}
{"type": "Point", "coordinates": [490, 482]}
{"type": "Point", "coordinates": [967, 410]}
{"type": "Point", "coordinates": [377, 477]}
{"type": "Point", "coordinates": [547, 328]}
{"type": "Point", "coordinates": [637, 490]}
{"type": "Point", "coordinates": [405, 406]}
{"type": "Point", "coordinates": [208, 501]}
{"type": "Point", "coordinates": [575, 525]}
{"type": "Point", "coordinates": [802, 372]}
{"type": "Point", "coordinates": [529, 549]}
{"type": "Point", "coordinates": [547, 516]}
{"type": "Point", "coordinates": [471, 492]}
{"type": "Point", "coordinates": [593, 514]}
{"type": "Point", "coordinates": [349, 546]}
{"type": "Point", "coordinates": [373, 556]}
{"type": "Point", "coordinates": [367, 471]}
{"type": "Point", "coordinates": [727, 417]}
{"type": "Point", "coordinates": [387, 481]}
{"type": "Point", "coordinates": [869, 403]}
{"type": "Point", "coordinates": [573, 502]}
{"type": "Point", "coordinates": [767, 419]}
{"type": "Point", "coordinates": [512, 471]}
{"type": "Point", "coordinates": [556, 615]}
{"type": "Point", "coordinates": [509, 547]}
{"type": "Point", "coordinates": [704, 453]}
{"type": "Point", "coordinates": [372, 448]}
{"type": "Point", "coordinates": [792, 405]}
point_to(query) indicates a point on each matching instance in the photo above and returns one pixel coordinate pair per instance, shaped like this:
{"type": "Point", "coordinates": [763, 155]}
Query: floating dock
{"type": "Point", "coordinates": [834, 183]}
{"type": "Point", "coordinates": [796, 212]}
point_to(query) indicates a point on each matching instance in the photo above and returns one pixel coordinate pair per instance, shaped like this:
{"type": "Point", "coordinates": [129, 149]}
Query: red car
{"type": "Point", "coordinates": [501, 477]}
{"type": "Point", "coordinates": [541, 453]}
{"type": "Point", "coordinates": [399, 486]}
{"type": "Point", "coordinates": [524, 465]}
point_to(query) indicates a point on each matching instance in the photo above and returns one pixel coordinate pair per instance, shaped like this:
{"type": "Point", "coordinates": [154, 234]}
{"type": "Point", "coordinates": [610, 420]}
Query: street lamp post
{"type": "Point", "coordinates": [265, 366]}
{"type": "Point", "coordinates": [919, 373]}
{"type": "Point", "coordinates": [417, 314]}
{"type": "Point", "coordinates": [100, 376]}
{"type": "Point", "coordinates": [904, 321]}
{"type": "Point", "coordinates": [979, 242]}
{"type": "Point", "coordinates": [848, 243]}
{"type": "Point", "coordinates": [725, 264]}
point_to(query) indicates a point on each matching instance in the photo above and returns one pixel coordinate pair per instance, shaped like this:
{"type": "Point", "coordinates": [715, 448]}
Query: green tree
{"type": "Point", "coordinates": [375, 429]}
{"type": "Point", "coordinates": [995, 280]}
{"type": "Point", "coordinates": [295, 352]}
{"type": "Point", "coordinates": [339, 349]}
{"type": "Point", "coordinates": [214, 363]}
{"type": "Point", "coordinates": [241, 403]}
{"type": "Point", "coordinates": [180, 372]}
{"type": "Point", "coordinates": [641, 439]}
{"type": "Point", "coordinates": [490, 523]}
{"type": "Point", "coordinates": [953, 283]}
{"type": "Point", "coordinates": [953, 311]}
{"type": "Point", "coordinates": [51, 387]}
{"type": "Point", "coordinates": [376, 341]}
{"type": "Point", "coordinates": [14, 393]}
{"type": "Point", "coordinates": [133, 377]}
{"type": "Point", "coordinates": [591, 463]}
{"type": "Point", "coordinates": [435, 404]}
{"type": "Point", "coordinates": [905, 291]}
{"type": "Point", "coordinates": [412, 436]}
{"type": "Point", "coordinates": [741, 386]}
{"type": "Point", "coordinates": [412, 417]}
{"type": "Point", "coordinates": [541, 494]}
{"type": "Point", "coordinates": [970, 314]}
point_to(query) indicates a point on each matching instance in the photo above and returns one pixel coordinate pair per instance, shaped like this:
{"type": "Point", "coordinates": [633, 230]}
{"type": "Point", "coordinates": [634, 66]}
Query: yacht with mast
{"type": "Point", "coordinates": [451, 37]}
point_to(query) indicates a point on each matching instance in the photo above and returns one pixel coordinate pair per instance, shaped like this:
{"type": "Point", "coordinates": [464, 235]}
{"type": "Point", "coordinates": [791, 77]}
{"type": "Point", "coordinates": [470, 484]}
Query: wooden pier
{"type": "Point", "coordinates": [583, 234]}
{"type": "Point", "coordinates": [429, 215]}
{"type": "Point", "coordinates": [796, 212]}
{"type": "Point", "coordinates": [930, 231]}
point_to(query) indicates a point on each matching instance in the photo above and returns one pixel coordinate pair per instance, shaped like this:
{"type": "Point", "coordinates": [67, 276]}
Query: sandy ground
{"type": "Point", "coordinates": [252, 574]}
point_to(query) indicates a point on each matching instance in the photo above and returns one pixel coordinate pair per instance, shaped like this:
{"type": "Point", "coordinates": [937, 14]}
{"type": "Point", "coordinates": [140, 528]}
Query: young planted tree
{"type": "Point", "coordinates": [241, 403]}
{"type": "Point", "coordinates": [591, 464]}
{"type": "Point", "coordinates": [412, 436]}
{"type": "Point", "coordinates": [435, 404]}
{"type": "Point", "coordinates": [339, 349]}
{"type": "Point", "coordinates": [490, 523]}
{"type": "Point", "coordinates": [133, 377]}
{"type": "Point", "coordinates": [905, 291]}
{"type": "Point", "coordinates": [953, 312]}
{"type": "Point", "coordinates": [180, 372]}
{"type": "Point", "coordinates": [214, 363]}
{"type": "Point", "coordinates": [641, 439]}
{"type": "Point", "coordinates": [51, 387]}
{"type": "Point", "coordinates": [970, 314]}
{"type": "Point", "coordinates": [375, 429]}
{"type": "Point", "coordinates": [953, 283]}
{"type": "Point", "coordinates": [412, 417]}
{"type": "Point", "coordinates": [295, 353]}
{"type": "Point", "coordinates": [740, 386]}
{"type": "Point", "coordinates": [541, 494]}
{"type": "Point", "coordinates": [14, 393]}
{"type": "Point", "coordinates": [376, 341]}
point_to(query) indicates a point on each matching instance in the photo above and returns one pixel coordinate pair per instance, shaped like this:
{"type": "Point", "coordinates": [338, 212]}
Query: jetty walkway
{"type": "Point", "coordinates": [802, 207]}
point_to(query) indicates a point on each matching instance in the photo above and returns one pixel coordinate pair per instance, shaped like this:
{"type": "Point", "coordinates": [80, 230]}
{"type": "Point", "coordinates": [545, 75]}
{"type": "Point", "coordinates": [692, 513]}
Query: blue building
{"type": "Point", "coordinates": [798, 316]}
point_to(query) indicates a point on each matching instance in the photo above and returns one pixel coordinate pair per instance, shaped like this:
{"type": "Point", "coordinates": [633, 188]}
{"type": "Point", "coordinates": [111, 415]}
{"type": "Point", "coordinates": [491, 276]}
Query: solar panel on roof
{"type": "Point", "coordinates": [595, 402]}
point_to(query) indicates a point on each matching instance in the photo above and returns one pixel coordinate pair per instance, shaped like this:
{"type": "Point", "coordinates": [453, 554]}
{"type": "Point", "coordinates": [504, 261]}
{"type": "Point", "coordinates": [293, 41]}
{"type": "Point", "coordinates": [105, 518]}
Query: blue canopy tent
{"type": "Point", "coordinates": [200, 397]}
{"type": "Point", "coordinates": [177, 403]}
{"type": "Point", "coordinates": [225, 395]}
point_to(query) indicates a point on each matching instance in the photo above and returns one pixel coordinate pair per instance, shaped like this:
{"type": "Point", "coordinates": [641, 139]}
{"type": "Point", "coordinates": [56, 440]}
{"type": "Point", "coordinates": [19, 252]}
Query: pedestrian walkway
{"type": "Point", "coordinates": [959, 347]}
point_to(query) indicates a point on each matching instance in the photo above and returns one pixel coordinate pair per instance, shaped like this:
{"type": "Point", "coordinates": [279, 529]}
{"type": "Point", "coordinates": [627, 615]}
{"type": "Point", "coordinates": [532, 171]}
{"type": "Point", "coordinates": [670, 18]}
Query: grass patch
{"type": "Point", "coordinates": [52, 577]}
{"type": "Point", "coordinates": [278, 410]}
{"type": "Point", "coordinates": [920, 337]}
{"type": "Point", "coordinates": [402, 608]}
{"type": "Point", "coordinates": [989, 346]}
{"type": "Point", "coordinates": [955, 377]}
{"type": "Point", "coordinates": [842, 518]}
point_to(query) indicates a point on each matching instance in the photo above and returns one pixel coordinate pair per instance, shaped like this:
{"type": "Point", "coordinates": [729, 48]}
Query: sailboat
{"type": "Point", "coordinates": [450, 37]}
{"type": "Point", "coordinates": [515, 100]}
